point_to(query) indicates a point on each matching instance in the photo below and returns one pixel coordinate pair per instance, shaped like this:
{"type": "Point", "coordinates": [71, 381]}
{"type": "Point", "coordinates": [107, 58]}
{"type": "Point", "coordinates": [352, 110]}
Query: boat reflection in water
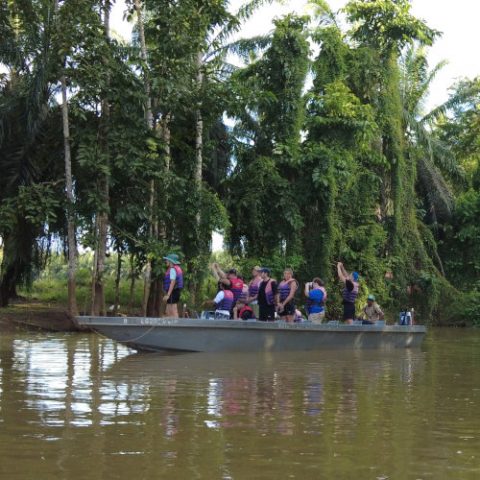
{"type": "Point", "coordinates": [268, 393]}
{"type": "Point", "coordinates": [68, 402]}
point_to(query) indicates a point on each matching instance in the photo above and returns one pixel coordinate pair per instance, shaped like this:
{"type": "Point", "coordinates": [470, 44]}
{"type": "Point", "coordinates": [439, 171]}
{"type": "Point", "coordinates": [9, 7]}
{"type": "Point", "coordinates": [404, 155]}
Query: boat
{"type": "Point", "coordinates": [200, 335]}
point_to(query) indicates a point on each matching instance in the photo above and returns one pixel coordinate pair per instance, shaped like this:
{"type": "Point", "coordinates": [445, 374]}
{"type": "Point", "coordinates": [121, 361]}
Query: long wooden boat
{"type": "Point", "coordinates": [196, 335]}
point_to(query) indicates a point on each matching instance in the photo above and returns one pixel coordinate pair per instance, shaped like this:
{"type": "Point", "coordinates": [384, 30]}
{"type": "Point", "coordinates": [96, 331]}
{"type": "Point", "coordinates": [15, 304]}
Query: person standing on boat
{"type": "Point", "coordinates": [316, 297]}
{"type": "Point", "coordinates": [267, 293]}
{"type": "Point", "coordinates": [286, 294]}
{"type": "Point", "coordinates": [372, 312]}
{"type": "Point", "coordinates": [253, 289]}
{"type": "Point", "coordinates": [223, 302]}
{"type": "Point", "coordinates": [349, 293]}
{"type": "Point", "coordinates": [172, 284]}
{"type": "Point", "coordinates": [229, 279]}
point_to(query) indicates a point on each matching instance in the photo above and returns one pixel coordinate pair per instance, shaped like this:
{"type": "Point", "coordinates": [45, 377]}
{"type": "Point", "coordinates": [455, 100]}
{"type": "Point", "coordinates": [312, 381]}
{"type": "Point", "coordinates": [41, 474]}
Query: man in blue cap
{"type": "Point", "coordinates": [372, 312]}
{"type": "Point", "coordinates": [172, 284]}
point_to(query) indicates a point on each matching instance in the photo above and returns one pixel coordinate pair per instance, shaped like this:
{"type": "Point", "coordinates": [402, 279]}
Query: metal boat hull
{"type": "Point", "coordinates": [191, 335]}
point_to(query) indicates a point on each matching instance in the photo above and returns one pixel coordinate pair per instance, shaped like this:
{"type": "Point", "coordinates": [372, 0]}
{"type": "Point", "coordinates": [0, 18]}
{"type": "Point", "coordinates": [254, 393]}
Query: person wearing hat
{"type": "Point", "coordinates": [172, 284]}
{"type": "Point", "coordinates": [349, 293]}
{"type": "Point", "coordinates": [267, 294]}
{"type": "Point", "coordinates": [372, 312]}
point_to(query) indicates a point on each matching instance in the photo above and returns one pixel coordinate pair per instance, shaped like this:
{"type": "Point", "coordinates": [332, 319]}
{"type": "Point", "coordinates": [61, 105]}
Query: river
{"type": "Point", "coordinates": [78, 406]}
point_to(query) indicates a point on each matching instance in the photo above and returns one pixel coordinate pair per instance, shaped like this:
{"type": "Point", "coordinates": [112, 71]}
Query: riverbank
{"type": "Point", "coordinates": [37, 316]}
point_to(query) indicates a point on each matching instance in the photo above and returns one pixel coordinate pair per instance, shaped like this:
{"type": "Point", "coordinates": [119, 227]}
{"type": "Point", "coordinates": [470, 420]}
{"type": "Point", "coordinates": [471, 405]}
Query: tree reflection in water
{"type": "Point", "coordinates": [76, 397]}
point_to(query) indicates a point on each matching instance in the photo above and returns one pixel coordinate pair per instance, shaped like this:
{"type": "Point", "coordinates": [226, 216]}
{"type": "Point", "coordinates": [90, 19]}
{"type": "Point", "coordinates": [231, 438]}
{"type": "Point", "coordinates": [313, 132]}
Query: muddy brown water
{"type": "Point", "coordinates": [79, 406]}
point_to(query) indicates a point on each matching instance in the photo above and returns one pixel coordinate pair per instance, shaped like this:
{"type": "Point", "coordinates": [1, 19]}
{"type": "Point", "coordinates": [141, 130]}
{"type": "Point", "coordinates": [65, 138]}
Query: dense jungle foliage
{"type": "Point", "coordinates": [303, 147]}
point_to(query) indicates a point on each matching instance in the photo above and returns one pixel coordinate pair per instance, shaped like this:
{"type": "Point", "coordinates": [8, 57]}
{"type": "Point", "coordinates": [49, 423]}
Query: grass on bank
{"type": "Point", "coordinates": [50, 286]}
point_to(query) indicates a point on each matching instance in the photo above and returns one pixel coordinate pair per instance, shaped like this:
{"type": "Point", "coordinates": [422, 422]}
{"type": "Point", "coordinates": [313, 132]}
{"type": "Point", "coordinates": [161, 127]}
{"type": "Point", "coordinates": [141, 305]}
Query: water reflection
{"type": "Point", "coordinates": [79, 399]}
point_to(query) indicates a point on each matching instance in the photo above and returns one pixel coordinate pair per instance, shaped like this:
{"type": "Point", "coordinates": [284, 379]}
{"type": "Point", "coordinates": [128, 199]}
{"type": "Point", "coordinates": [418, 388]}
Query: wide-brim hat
{"type": "Point", "coordinates": [173, 258]}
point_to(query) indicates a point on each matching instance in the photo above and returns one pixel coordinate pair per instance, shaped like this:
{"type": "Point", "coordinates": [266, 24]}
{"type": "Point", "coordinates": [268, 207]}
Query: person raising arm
{"type": "Point", "coordinates": [229, 279]}
{"type": "Point", "coordinates": [349, 293]}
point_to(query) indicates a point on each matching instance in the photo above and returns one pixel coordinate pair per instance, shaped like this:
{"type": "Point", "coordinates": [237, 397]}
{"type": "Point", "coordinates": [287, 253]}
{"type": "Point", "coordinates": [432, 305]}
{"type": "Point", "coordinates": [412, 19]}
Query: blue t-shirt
{"type": "Point", "coordinates": [316, 298]}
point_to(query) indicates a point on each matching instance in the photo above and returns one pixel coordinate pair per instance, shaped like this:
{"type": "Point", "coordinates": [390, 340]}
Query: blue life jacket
{"type": "Point", "coordinates": [319, 306]}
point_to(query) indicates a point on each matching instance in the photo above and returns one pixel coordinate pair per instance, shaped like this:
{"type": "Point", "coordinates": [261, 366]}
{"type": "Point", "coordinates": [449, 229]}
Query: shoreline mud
{"type": "Point", "coordinates": [36, 316]}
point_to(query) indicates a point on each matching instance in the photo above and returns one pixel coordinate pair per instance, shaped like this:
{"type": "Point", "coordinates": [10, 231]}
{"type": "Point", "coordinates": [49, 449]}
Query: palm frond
{"type": "Point", "coordinates": [243, 14]}
{"type": "Point", "coordinates": [439, 196]}
{"type": "Point", "coordinates": [324, 13]}
{"type": "Point", "coordinates": [464, 92]}
{"type": "Point", "coordinates": [242, 48]}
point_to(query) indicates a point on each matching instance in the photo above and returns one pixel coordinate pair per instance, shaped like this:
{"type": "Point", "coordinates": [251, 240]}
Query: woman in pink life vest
{"type": "Point", "coordinates": [253, 289]}
{"type": "Point", "coordinates": [172, 284]}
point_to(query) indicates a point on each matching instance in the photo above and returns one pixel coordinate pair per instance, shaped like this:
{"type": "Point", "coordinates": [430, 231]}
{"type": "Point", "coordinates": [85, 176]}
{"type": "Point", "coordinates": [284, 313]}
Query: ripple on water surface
{"type": "Point", "coordinates": [78, 400]}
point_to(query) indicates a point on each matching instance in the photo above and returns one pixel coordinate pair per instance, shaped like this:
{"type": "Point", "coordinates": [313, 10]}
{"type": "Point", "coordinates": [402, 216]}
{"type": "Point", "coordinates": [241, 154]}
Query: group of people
{"type": "Point", "coordinates": [264, 298]}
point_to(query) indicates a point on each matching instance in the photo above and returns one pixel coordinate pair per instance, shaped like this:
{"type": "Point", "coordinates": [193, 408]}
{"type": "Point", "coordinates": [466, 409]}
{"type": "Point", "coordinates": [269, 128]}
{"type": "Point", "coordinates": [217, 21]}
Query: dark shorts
{"type": "Point", "coordinates": [348, 311]}
{"type": "Point", "coordinates": [174, 297]}
{"type": "Point", "coordinates": [289, 309]}
{"type": "Point", "coordinates": [266, 313]}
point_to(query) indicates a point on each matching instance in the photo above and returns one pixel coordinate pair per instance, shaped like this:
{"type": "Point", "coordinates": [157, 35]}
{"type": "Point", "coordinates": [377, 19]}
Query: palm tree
{"type": "Point", "coordinates": [26, 114]}
{"type": "Point", "coordinates": [437, 167]}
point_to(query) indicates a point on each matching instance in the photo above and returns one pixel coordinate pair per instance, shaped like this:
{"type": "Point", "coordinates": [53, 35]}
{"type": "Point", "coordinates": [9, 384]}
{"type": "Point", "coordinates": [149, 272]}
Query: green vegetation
{"type": "Point", "coordinates": [135, 158]}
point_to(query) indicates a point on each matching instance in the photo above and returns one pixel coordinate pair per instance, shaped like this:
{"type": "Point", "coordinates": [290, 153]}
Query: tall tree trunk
{"type": "Point", "coordinates": [7, 276]}
{"type": "Point", "coordinates": [131, 295]}
{"type": "Point", "coordinates": [166, 139]}
{"type": "Point", "coordinates": [153, 302]}
{"type": "Point", "coordinates": [116, 301]}
{"type": "Point", "coordinates": [98, 300]}
{"type": "Point", "coordinates": [72, 244]}
{"type": "Point", "coordinates": [198, 175]}
{"type": "Point", "coordinates": [143, 52]}
{"type": "Point", "coordinates": [149, 120]}
{"type": "Point", "coordinates": [199, 134]}
{"type": "Point", "coordinates": [71, 237]}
